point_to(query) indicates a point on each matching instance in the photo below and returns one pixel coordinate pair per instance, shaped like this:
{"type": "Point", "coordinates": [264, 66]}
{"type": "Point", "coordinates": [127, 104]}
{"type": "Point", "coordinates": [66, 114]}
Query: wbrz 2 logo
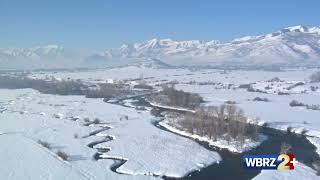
{"type": "Point", "coordinates": [269, 161]}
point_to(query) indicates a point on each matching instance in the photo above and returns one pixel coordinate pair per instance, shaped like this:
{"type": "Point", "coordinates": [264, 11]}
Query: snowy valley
{"type": "Point", "coordinates": [122, 137]}
{"type": "Point", "coordinates": [139, 90]}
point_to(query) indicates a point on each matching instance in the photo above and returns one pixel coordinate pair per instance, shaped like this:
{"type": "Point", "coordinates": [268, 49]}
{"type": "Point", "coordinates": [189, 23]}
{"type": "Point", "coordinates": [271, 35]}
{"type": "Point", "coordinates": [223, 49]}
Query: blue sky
{"type": "Point", "coordinates": [100, 24]}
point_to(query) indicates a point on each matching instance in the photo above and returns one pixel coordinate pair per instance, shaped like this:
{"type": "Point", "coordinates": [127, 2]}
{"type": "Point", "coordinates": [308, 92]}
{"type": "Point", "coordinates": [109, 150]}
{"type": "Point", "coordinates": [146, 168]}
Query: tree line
{"type": "Point", "coordinates": [171, 97]}
{"type": "Point", "coordinates": [226, 122]}
{"type": "Point", "coordinates": [64, 87]}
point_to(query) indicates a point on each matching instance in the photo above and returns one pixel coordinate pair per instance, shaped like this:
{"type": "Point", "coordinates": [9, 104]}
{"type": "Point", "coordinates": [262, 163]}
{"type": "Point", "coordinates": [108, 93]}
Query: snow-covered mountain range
{"type": "Point", "coordinates": [32, 53]}
{"type": "Point", "coordinates": [296, 45]}
{"type": "Point", "coordinates": [40, 57]}
{"type": "Point", "coordinates": [37, 57]}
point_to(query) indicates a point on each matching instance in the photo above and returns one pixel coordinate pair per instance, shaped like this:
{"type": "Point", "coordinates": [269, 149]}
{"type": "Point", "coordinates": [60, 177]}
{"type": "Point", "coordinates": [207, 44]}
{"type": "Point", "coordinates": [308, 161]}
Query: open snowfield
{"type": "Point", "coordinates": [151, 75]}
{"type": "Point", "coordinates": [282, 115]}
{"type": "Point", "coordinates": [136, 141]}
{"type": "Point", "coordinates": [22, 158]}
{"type": "Point", "coordinates": [59, 120]}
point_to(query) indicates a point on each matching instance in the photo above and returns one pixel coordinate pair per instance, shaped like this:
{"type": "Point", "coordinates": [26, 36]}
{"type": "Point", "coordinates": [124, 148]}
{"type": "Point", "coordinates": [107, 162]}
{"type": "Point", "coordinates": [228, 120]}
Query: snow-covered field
{"type": "Point", "coordinates": [277, 113]}
{"type": "Point", "coordinates": [23, 158]}
{"type": "Point", "coordinates": [31, 116]}
{"type": "Point", "coordinates": [153, 75]}
{"type": "Point", "coordinates": [147, 149]}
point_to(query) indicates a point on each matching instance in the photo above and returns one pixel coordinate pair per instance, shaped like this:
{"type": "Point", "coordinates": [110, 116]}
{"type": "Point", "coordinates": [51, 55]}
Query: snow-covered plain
{"type": "Point", "coordinates": [22, 158]}
{"type": "Point", "coordinates": [277, 113]}
{"type": "Point", "coordinates": [156, 76]}
{"type": "Point", "coordinates": [216, 86]}
{"type": "Point", "coordinates": [30, 116]}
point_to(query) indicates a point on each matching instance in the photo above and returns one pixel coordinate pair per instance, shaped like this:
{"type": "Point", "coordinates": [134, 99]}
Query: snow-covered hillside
{"type": "Point", "coordinates": [297, 44]}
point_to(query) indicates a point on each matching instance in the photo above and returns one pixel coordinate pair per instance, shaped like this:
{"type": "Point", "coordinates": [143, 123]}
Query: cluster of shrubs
{"type": "Point", "coordinates": [171, 97]}
{"type": "Point", "coordinates": [295, 103]}
{"type": "Point", "coordinates": [267, 88]}
{"type": "Point", "coordinates": [224, 122]}
{"type": "Point", "coordinates": [314, 88]}
{"type": "Point", "coordinates": [230, 102]}
{"type": "Point", "coordinates": [283, 93]}
{"type": "Point", "coordinates": [224, 86]}
{"type": "Point", "coordinates": [142, 86]}
{"type": "Point", "coordinates": [275, 79]}
{"type": "Point", "coordinates": [89, 122]}
{"type": "Point", "coordinates": [203, 83]}
{"type": "Point", "coordinates": [313, 107]}
{"type": "Point", "coordinates": [251, 89]}
{"type": "Point", "coordinates": [244, 86]}
{"type": "Point", "coordinates": [261, 99]}
{"type": "Point", "coordinates": [64, 156]}
{"type": "Point", "coordinates": [44, 144]}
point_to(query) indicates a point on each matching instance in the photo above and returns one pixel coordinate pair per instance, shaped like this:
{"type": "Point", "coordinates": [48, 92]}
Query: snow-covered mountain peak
{"type": "Point", "coordinates": [245, 39]}
{"type": "Point", "coordinates": [212, 43]}
{"type": "Point", "coordinates": [298, 28]}
{"type": "Point", "coordinates": [150, 44]}
{"type": "Point", "coordinates": [315, 29]}
{"type": "Point", "coordinates": [48, 49]}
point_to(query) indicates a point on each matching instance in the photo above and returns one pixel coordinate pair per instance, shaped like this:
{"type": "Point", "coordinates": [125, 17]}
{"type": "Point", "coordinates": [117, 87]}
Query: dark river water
{"type": "Point", "coordinates": [231, 165]}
